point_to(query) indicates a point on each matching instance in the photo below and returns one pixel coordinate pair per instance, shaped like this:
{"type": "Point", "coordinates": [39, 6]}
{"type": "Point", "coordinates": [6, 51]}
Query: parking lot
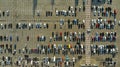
{"type": "Point", "coordinates": [28, 24]}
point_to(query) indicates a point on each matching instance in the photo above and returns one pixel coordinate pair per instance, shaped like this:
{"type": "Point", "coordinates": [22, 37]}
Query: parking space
{"type": "Point", "coordinates": [55, 34]}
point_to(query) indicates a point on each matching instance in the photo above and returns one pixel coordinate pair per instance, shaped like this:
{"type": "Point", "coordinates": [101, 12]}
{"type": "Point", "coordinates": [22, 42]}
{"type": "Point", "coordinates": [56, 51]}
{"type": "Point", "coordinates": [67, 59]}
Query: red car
{"type": "Point", "coordinates": [27, 38]}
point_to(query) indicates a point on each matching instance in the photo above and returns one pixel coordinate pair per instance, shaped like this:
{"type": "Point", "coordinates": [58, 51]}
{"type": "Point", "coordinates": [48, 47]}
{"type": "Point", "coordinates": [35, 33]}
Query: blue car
{"type": "Point", "coordinates": [10, 38]}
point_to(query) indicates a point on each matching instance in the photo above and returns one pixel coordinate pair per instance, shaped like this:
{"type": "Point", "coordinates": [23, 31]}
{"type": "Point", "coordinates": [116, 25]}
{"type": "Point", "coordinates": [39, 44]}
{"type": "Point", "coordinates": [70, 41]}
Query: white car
{"type": "Point", "coordinates": [29, 25]}
{"type": "Point", "coordinates": [57, 13]}
{"type": "Point", "coordinates": [83, 21]}
{"type": "Point", "coordinates": [71, 7]}
{"type": "Point", "coordinates": [45, 25]}
{"type": "Point", "coordinates": [19, 25]}
{"type": "Point", "coordinates": [94, 13]}
{"type": "Point", "coordinates": [69, 13]}
{"type": "Point", "coordinates": [94, 7]}
{"type": "Point", "coordinates": [63, 12]}
{"type": "Point", "coordinates": [119, 23]}
{"type": "Point", "coordinates": [80, 8]}
{"type": "Point", "coordinates": [65, 38]}
{"type": "Point", "coordinates": [7, 12]}
{"type": "Point", "coordinates": [73, 12]}
{"type": "Point", "coordinates": [38, 13]}
{"type": "Point", "coordinates": [1, 26]}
